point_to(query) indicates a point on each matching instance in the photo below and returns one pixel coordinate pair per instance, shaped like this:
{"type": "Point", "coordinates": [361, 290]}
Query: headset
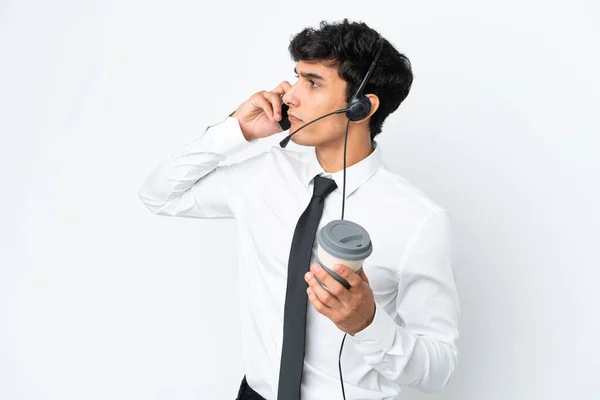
{"type": "Point", "coordinates": [357, 108]}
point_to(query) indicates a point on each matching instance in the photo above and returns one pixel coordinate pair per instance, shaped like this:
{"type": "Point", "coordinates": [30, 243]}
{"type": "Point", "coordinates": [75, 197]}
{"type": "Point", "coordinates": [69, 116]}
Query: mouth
{"type": "Point", "coordinates": [294, 118]}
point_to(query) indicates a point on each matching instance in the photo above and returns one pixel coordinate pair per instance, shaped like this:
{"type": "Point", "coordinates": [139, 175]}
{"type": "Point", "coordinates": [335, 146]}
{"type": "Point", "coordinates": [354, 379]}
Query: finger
{"type": "Point", "coordinates": [282, 88]}
{"type": "Point", "coordinates": [323, 295]}
{"type": "Point", "coordinates": [333, 286]}
{"type": "Point", "coordinates": [353, 278]}
{"type": "Point", "coordinates": [275, 103]}
{"type": "Point", "coordinates": [318, 304]}
{"type": "Point", "coordinates": [261, 102]}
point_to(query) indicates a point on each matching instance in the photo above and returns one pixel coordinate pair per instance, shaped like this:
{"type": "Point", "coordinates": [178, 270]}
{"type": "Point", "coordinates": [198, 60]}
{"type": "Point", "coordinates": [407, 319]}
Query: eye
{"type": "Point", "coordinates": [312, 83]}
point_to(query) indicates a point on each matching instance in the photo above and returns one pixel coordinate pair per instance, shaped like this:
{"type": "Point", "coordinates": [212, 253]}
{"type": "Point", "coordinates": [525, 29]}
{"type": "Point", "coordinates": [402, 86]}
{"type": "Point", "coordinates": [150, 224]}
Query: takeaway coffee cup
{"type": "Point", "coordinates": [342, 242]}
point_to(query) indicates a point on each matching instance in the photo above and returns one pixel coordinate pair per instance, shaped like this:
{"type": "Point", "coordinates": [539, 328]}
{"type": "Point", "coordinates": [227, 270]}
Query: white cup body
{"type": "Point", "coordinates": [329, 261]}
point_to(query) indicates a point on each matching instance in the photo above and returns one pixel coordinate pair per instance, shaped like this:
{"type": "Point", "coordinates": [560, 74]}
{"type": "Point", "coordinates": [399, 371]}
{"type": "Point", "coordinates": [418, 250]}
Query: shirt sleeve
{"type": "Point", "coordinates": [421, 351]}
{"type": "Point", "coordinates": [191, 183]}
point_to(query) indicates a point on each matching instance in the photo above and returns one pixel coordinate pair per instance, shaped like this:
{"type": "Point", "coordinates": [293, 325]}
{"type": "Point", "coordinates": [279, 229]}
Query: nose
{"type": "Point", "coordinates": [290, 97]}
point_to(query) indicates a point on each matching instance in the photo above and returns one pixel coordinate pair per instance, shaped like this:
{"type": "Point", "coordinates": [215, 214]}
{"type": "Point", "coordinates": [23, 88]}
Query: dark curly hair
{"type": "Point", "coordinates": [351, 47]}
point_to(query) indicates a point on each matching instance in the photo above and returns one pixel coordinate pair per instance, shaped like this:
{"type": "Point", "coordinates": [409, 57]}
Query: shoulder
{"type": "Point", "coordinates": [293, 155]}
{"type": "Point", "coordinates": [292, 158]}
{"type": "Point", "coordinates": [396, 194]}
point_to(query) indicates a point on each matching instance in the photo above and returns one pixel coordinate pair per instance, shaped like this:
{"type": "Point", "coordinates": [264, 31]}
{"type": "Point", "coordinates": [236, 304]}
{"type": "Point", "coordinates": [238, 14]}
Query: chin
{"type": "Point", "coordinates": [304, 139]}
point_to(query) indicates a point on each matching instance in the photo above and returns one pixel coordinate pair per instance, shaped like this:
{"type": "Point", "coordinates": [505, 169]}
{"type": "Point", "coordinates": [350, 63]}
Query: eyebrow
{"type": "Point", "coordinates": [310, 75]}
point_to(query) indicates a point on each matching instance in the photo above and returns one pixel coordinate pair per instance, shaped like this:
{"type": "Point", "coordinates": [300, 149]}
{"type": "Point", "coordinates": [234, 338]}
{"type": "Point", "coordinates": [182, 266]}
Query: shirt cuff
{"type": "Point", "coordinates": [378, 336]}
{"type": "Point", "coordinates": [225, 138]}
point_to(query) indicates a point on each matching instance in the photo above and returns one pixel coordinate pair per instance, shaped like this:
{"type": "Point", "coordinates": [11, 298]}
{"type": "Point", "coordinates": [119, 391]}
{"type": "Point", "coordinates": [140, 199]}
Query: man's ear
{"type": "Point", "coordinates": [374, 106]}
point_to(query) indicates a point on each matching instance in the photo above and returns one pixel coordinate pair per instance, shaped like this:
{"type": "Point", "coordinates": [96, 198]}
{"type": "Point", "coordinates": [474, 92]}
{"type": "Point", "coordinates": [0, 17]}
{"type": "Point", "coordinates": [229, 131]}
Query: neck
{"type": "Point", "coordinates": [331, 155]}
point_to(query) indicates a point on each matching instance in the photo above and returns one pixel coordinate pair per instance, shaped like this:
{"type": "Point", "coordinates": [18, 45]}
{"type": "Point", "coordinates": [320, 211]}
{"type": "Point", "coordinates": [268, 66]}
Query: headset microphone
{"type": "Point", "coordinates": [286, 140]}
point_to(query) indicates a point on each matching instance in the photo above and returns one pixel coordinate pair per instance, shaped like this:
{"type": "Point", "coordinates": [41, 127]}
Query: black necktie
{"type": "Point", "coordinates": [294, 321]}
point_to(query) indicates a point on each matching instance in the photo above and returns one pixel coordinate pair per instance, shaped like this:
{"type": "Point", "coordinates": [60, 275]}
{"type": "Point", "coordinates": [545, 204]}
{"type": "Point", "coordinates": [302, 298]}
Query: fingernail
{"type": "Point", "coordinates": [308, 276]}
{"type": "Point", "coordinates": [316, 268]}
{"type": "Point", "coordinates": [337, 268]}
{"type": "Point", "coordinates": [277, 116]}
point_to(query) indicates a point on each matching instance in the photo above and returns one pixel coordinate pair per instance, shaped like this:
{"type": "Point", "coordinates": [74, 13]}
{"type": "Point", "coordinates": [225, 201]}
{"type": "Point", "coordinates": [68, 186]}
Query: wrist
{"type": "Point", "coordinates": [247, 136]}
{"type": "Point", "coordinates": [367, 323]}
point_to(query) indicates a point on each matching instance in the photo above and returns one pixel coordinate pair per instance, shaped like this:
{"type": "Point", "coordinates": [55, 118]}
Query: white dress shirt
{"type": "Point", "coordinates": [412, 339]}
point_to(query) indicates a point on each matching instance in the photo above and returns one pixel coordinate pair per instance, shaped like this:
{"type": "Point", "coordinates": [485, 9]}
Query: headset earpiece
{"type": "Point", "coordinates": [359, 105]}
{"type": "Point", "coordinates": [358, 108]}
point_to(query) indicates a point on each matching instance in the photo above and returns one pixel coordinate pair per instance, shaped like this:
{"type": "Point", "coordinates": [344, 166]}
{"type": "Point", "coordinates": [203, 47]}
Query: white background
{"type": "Point", "coordinates": [100, 299]}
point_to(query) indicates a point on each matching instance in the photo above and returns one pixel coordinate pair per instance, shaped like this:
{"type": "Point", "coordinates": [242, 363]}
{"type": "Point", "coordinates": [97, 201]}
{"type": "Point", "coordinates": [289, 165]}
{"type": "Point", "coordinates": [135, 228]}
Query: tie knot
{"type": "Point", "coordinates": [323, 186]}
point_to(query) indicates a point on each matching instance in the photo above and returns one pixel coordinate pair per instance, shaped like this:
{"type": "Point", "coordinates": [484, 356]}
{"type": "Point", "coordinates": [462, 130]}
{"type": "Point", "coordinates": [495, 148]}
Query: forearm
{"type": "Point", "coordinates": [410, 360]}
{"type": "Point", "coordinates": [168, 189]}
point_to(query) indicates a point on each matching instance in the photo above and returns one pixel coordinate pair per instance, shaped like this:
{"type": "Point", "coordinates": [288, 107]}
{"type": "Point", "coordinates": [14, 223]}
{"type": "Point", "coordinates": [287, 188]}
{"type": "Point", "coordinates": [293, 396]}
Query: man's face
{"type": "Point", "coordinates": [319, 90]}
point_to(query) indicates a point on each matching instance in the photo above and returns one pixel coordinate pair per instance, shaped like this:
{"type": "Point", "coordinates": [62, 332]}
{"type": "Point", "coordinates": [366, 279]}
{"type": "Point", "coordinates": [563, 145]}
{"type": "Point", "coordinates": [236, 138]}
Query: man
{"type": "Point", "coordinates": [401, 310]}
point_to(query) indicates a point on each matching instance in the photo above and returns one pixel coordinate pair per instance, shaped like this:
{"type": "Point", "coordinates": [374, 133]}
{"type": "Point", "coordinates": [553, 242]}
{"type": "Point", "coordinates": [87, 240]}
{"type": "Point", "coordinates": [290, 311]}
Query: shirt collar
{"type": "Point", "coordinates": [356, 174]}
